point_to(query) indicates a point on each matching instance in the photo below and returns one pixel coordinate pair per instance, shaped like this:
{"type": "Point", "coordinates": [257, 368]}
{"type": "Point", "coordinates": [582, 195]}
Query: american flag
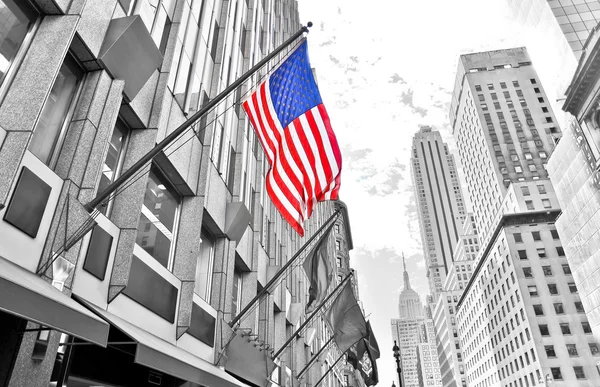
{"type": "Point", "coordinates": [293, 127]}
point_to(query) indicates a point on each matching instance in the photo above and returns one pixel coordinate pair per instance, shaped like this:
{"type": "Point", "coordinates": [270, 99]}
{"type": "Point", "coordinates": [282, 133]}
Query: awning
{"type": "Point", "coordinates": [24, 294]}
{"type": "Point", "coordinates": [154, 352]}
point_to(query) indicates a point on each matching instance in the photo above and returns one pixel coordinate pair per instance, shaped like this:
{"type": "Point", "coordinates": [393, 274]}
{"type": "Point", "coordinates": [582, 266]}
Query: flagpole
{"type": "Point", "coordinates": [314, 313]}
{"type": "Point", "coordinates": [329, 370]}
{"type": "Point", "coordinates": [196, 116]}
{"type": "Point", "coordinates": [273, 280]}
{"type": "Point", "coordinates": [312, 360]}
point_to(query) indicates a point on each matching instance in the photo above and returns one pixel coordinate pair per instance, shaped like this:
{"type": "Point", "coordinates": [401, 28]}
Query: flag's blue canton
{"type": "Point", "coordinates": [293, 87]}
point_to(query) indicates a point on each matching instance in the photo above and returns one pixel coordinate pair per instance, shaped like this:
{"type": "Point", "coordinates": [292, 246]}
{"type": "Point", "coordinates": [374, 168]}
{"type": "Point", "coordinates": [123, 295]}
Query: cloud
{"type": "Point", "coordinates": [394, 174]}
{"type": "Point", "coordinates": [407, 98]}
{"type": "Point", "coordinates": [334, 60]}
{"type": "Point", "coordinates": [397, 79]}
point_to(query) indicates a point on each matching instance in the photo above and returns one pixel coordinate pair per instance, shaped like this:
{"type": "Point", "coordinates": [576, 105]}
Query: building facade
{"type": "Point", "coordinates": [414, 334]}
{"type": "Point", "coordinates": [573, 170]}
{"type": "Point", "coordinates": [86, 89]}
{"type": "Point", "coordinates": [504, 128]}
{"type": "Point", "coordinates": [439, 201]}
{"type": "Point", "coordinates": [452, 368]}
{"type": "Point", "coordinates": [520, 318]}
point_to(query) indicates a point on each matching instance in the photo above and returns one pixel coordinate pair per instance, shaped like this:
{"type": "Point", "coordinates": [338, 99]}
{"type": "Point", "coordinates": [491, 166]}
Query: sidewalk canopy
{"type": "Point", "coordinates": [24, 294]}
{"type": "Point", "coordinates": [156, 353]}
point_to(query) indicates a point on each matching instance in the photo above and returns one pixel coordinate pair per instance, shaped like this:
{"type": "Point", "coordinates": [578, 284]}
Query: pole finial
{"type": "Point", "coordinates": [309, 24]}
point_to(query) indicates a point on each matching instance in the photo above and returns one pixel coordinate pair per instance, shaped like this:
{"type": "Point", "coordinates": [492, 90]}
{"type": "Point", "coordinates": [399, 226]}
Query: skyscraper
{"type": "Point", "coordinates": [520, 319]}
{"type": "Point", "coordinates": [503, 125]}
{"type": "Point", "coordinates": [449, 351]}
{"type": "Point", "coordinates": [575, 19]}
{"type": "Point", "coordinates": [439, 201]}
{"type": "Point", "coordinates": [413, 331]}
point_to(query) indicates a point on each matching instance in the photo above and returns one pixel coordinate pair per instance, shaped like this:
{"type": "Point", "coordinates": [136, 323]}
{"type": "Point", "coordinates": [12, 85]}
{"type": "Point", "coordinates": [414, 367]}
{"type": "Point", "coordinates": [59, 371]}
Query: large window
{"type": "Point", "coordinates": [49, 130]}
{"type": "Point", "coordinates": [160, 212]}
{"type": "Point", "coordinates": [111, 168]}
{"type": "Point", "coordinates": [204, 267]}
{"type": "Point", "coordinates": [17, 19]}
{"type": "Point", "coordinates": [236, 298]}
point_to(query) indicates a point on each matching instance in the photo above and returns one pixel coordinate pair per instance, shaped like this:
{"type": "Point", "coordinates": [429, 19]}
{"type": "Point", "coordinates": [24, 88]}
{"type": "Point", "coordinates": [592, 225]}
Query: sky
{"type": "Point", "coordinates": [385, 67]}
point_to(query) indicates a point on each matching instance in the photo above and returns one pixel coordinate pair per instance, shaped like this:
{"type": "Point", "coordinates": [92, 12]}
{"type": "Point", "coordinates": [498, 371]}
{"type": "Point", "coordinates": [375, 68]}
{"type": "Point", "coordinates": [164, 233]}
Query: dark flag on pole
{"type": "Point", "coordinates": [318, 269]}
{"type": "Point", "coordinates": [367, 365]}
{"type": "Point", "coordinates": [346, 319]}
{"type": "Point", "coordinates": [293, 127]}
{"type": "Point", "coordinates": [374, 347]}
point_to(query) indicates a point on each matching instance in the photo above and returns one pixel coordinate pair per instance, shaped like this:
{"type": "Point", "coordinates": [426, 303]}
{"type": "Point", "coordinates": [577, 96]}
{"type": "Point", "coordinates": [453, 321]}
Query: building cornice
{"type": "Point", "coordinates": [586, 75]}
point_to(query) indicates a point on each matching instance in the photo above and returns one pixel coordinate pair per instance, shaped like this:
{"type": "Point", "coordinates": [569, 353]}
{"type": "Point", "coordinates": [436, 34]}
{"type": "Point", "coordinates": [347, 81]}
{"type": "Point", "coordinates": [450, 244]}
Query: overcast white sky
{"type": "Point", "coordinates": [385, 67]}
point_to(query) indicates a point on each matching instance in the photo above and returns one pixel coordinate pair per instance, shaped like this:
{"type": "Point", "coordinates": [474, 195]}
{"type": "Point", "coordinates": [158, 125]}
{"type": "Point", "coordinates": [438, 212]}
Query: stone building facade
{"type": "Point", "coordinates": [86, 88]}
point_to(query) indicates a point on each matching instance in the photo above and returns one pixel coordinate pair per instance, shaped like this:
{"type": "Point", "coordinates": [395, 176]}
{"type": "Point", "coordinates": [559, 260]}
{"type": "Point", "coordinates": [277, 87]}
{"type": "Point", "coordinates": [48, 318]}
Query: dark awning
{"type": "Point", "coordinates": [24, 294]}
{"type": "Point", "coordinates": [156, 353]}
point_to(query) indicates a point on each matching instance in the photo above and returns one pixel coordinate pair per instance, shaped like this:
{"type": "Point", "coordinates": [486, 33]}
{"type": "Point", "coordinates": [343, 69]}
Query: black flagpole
{"type": "Point", "coordinates": [312, 360]}
{"type": "Point", "coordinates": [195, 117]}
{"type": "Point", "coordinates": [329, 370]}
{"type": "Point", "coordinates": [314, 313]}
{"type": "Point", "coordinates": [273, 280]}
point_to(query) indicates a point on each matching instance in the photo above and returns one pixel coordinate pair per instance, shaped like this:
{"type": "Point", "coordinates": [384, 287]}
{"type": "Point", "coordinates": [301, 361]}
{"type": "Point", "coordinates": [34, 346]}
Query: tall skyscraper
{"type": "Point", "coordinates": [574, 172]}
{"type": "Point", "coordinates": [575, 19]}
{"type": "Point", "coordinates": [413, 331]}
{"type": "Point", "coordinates": [449, 351]}
{"type": "Point", "coordinates": [520, 318]}
{"type": "Point", "coordinates": [554, 32]}
{"type": "Point", "coordinates": [440, 203]}
{"type": "Point", "coordinates": [503, 125]}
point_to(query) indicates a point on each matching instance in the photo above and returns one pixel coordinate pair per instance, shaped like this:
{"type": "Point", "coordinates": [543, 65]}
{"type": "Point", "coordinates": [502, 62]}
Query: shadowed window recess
{"type": "Point", "coordinates": [158, 222]}
{"type": "Point", "coordinates": [50, 129]}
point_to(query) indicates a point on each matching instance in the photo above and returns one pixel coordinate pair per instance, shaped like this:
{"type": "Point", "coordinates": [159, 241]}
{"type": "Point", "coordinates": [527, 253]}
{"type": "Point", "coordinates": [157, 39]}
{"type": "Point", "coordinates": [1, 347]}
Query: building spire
{"type": "Point", "coordinates": [406, 278]}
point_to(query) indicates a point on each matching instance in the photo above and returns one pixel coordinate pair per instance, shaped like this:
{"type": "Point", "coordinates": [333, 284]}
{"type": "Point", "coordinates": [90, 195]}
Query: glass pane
{"type": "Point", "coordinates": [16, 18]}
{"type": "Point", "coordinates": [204, 267]}
{"type": "Point", "coordinates": [55, 110]}
{"type": "Point", "coordinates": [113, 157]}
{"type": "Point", "coordinates": [155, 231]}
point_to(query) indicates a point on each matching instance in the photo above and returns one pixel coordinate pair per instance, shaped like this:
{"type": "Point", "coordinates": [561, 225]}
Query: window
{"type": "Point", "coordinates": [111, 169]}
{"type": "Point", "coordinates": [533, 81]}
{"type": "Point", "coordinates": [160, 210]}
{"type": "Point", "coordinates": [338, 261]}
{"type": "Point", "coordinates": [538, 309]}
{"type": "Point", "coordinates": [550, 350]}
{"type": "Point", "coordinates": [537, 89]}
{"type": "Point", "coordinates": [518, 237]}
{"type": "Point", "coordinates": [541, 189]}
{"type": "Point", "coordinates": [549, 120]}
{"type": "Point", "coordinates": [586, 327]}
{"type": "Point", "coordinates": [579, 307]}
{"type": "Point", "coordinates": [503, 85]}
{"type": "Point", "coordinates": [477, 87]}
{"type": "Point", "coordinates": [481, 97]}
{"type": "Point", "coordinates": [529, 205]}
{"type": "Point", "coordinates": [53, 121]}
{"type": "Point", "coordinates": [546, 203]}
{"type": "Point", "coordinates": [565, 329]}
{"type": "Point", "coordinates": [528, 156]}
{"type": "Point", "coordinates": [572, 287]}
{"type": "Point", "coordinates": [561, 252]}
{"type": "Point", "coordinates": [532, 290]}
{"type": "Point", "coordinates": [338, 245]}
{"type": "Point", "coordinates": [515, 83]}
{"type": "Point", "coordinates": [525, 191]}
{"type": "Point", "coordinates": [566, 269]}
{"type": "Point", "coordinates": [556, 374]}
{"type": "Point", "coordinates": [579, 373]}
{"type": "Point", "coordinates": [522, 254]}
{"type": "Point", "coordinates": [536, 236]}
{"type": "Point", "coordinates": [558, 308]}
{"type": "Point", "coordinates": [541, 252]}
{"type": "Point", "coordinates": [553, 289]}
{"type": "Point", "coordinates": [572, 350]}
{"type": "Point", "coordinates": [237, 292]}
{"type": "Point", "coordinates": [204, 268]}
{"type": "Point", "coordinates": [527, 272]}
{"type": "Point", "coordinates": [554, 234]}
{"type": "Point", "coordinates": [594, 348]}
{"type": "Point", "coordinates": [17, 19]}
{"type": "Point", "coordinates": [543, 155]}
{"type": "Point", "coordinates": [547, 270]}
{"type": "Point", "coordinates": [490, 86]}
{"type": "Point", "coordinates": [544, 330]}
